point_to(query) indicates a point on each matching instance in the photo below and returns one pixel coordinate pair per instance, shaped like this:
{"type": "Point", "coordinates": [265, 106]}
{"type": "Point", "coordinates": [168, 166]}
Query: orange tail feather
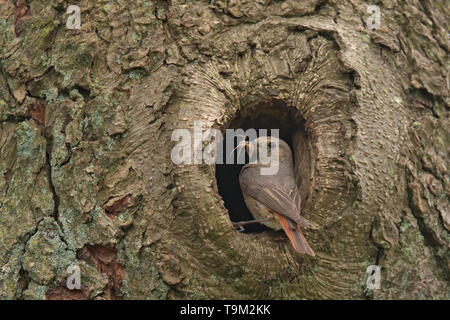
{"type": "Point", "coordinates": [295, 236]}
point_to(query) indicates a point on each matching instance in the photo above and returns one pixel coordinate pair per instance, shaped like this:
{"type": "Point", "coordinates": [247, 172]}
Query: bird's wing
{"type": "Point", "coordinates": [279, 193]}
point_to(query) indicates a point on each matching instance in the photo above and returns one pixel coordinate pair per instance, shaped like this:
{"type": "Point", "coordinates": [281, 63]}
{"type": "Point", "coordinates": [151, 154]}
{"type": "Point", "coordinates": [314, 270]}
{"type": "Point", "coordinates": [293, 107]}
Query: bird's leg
{"type": "Point", "coordinates": [238, 225]}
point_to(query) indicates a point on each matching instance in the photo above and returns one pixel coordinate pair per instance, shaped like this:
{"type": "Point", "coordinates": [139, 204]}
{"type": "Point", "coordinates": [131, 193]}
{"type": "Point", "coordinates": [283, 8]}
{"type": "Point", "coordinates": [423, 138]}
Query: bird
{"type": "Point", "coordinates": [274, 200]}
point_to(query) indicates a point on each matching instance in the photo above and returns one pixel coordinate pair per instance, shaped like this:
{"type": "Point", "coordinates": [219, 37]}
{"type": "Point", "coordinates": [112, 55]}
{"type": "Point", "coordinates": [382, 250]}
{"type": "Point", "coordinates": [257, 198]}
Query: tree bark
{"type": "Point", "coordinates": [86, 118]}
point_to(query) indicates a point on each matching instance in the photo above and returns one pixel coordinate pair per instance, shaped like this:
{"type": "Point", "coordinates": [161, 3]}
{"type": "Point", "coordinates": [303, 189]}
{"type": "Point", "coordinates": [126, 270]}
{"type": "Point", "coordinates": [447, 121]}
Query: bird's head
{"type": "Point", "coordinates": [267, 151]}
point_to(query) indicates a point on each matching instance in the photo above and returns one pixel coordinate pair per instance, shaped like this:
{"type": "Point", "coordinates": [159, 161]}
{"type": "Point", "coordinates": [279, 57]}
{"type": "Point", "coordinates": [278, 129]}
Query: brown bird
{"type": "Point", "coordinates": [274, 200]}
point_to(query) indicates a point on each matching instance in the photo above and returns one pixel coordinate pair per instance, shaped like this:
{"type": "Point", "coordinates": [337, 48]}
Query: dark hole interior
{"type": "Point", "coordinates": [267, 115]}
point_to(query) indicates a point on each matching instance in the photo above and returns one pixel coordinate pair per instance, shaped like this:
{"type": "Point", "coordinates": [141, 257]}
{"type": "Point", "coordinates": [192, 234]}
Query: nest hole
{"type": "Point", "coordinates": [268, 115]}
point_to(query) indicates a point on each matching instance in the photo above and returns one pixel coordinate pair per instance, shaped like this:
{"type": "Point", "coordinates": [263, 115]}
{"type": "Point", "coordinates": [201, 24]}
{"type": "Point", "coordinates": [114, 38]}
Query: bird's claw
{"type": "Point", "coordinates": [238, 227]}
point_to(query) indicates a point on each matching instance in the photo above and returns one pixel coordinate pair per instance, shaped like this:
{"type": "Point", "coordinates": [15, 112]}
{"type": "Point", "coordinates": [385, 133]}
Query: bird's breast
{"type": "Point", "coordinates": [261, 211]}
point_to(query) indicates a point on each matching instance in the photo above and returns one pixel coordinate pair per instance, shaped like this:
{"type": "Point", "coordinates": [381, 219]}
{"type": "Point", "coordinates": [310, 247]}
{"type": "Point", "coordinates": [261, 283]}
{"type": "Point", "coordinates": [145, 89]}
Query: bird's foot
{"type": "Point", "coordinates": [238, 227]}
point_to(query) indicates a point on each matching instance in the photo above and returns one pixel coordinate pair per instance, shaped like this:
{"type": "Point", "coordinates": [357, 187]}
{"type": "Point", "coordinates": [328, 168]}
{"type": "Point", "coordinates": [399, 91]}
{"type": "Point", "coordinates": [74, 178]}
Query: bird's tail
{"type": "Point", "coordinates": [295, 235]}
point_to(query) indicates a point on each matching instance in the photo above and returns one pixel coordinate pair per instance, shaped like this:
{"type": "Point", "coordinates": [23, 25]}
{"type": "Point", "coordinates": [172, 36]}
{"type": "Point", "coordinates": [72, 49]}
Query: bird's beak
{"type": "Point", "coordinates": [241, 144]}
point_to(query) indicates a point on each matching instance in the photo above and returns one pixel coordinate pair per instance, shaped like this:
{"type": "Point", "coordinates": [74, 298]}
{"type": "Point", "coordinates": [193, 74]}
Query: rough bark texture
{"type": "Point", "coordinates": [86, 118]}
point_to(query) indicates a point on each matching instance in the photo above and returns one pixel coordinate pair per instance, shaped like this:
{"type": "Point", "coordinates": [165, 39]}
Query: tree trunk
{"type": "Point", "coordinates": [87, 116]}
